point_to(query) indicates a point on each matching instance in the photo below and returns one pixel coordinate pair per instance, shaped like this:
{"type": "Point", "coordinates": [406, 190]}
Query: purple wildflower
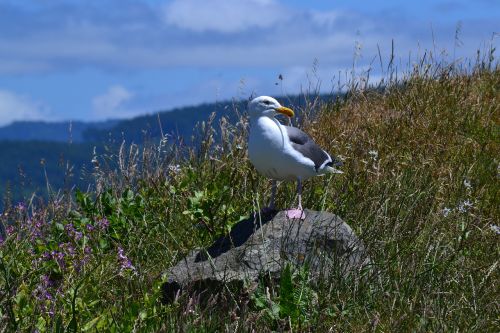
{"type": "Point", "coordinates": [103, 223]}
{"type": "Point", "coordinates": [41, 292]}
{"type": "Point", "coordinates": [20, 206]}
{"type": "Point", "coordinates": [46, 256]}
{"type": "Point", "coordinates": [69, 229]}
{"type": "Point", "coordinates": [72, 233]}
{"type": "Point", "coordinates": [89, 227]}
{"type": "Point", "coordinates": [68, 248]}
{"type": "Point", "coordinates": [125, 262]}
{"type": "Point", "coordinates": [9, 230]}
{"type": "Point", "coordinates": [78, 235]}
{"type": "Point", "coordinates": [35, 229]}
{"type": "Point", "coordinates": [59, 258]}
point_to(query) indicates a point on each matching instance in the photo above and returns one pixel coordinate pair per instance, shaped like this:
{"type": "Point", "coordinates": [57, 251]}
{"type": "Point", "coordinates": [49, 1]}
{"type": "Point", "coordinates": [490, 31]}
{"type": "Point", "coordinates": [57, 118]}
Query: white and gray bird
{"type": "Point", "coordinates": [282, 152]}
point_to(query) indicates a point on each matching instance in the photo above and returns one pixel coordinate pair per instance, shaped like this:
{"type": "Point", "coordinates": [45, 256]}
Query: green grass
{"type": "Point", "coordinates": [421, 188]}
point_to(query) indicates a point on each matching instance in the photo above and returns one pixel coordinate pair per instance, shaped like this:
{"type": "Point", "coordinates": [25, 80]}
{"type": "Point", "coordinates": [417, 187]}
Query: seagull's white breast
{"type": "Point", "coordinates": [272, 154]}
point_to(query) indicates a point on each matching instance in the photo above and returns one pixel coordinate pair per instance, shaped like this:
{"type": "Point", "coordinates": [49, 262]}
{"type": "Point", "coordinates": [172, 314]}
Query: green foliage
{"type": "Point", "coordinates": [294, 302]}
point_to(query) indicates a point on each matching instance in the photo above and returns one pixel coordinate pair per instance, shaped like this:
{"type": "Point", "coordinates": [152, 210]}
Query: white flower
{"type": "Point", "coordinates": [373, 154]}
{"type": "Point", "coordinates": [495, 229]}
{"type": "Point", "coordinates": [467, 184]}
{"type": "Point", "coordinates": [174, 168]}
{"type": "Point", "coordinates": [465, 206]}
{"type": "Point", "coordinates": [446, 211]}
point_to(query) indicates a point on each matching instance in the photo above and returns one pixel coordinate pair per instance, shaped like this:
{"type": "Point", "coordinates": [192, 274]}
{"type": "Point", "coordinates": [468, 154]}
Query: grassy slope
{"type": "Point", "coordinates": [420, 188]}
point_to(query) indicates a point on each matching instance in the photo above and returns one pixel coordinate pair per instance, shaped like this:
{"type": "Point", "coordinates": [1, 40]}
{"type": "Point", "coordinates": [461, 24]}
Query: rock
{"type": "Point", "coordinates": [262, 245]}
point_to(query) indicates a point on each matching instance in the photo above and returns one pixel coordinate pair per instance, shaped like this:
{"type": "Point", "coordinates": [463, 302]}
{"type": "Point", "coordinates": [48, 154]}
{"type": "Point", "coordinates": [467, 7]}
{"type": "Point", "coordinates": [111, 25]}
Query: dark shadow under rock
{"type": "Point", "coordinates": [262, 245]}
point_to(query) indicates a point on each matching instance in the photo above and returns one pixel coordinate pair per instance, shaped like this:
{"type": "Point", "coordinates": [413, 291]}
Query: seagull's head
{"type": "Point", "coordinates": [267, 106]}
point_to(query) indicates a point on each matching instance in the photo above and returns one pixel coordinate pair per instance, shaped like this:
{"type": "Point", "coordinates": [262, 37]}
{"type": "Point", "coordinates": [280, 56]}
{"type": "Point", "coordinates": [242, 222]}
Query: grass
{"type": "Point", "coordinates": [421, 188]}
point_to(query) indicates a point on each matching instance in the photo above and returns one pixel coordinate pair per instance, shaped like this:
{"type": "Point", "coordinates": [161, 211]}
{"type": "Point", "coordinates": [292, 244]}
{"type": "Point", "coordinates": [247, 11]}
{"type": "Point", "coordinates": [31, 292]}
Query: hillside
{"type": "Point", "coordinates": [28, 165]}
{"type": "Point", "coordinates": [51, 131]}
{"type": "Point", "coordinates": [420, 189]}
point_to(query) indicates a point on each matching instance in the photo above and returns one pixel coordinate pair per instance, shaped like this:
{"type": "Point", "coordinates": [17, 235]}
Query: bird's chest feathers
{"type": "Point", "coordinates": [266, 132]}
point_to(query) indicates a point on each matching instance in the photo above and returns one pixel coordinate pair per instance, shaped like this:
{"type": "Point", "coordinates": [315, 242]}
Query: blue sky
{"type": "Point", "coordinates": [100, 59]}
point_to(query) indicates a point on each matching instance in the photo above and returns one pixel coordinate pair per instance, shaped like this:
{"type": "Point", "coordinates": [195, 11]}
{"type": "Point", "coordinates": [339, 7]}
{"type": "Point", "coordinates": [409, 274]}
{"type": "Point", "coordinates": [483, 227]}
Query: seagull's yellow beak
{"type": "Point", "coordinates": [286, 111]}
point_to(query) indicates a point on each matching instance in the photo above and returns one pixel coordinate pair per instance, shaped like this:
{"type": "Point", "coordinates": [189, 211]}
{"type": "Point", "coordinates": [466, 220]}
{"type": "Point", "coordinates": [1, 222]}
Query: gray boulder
{"type": "Point", "coordinates": [261, 246]}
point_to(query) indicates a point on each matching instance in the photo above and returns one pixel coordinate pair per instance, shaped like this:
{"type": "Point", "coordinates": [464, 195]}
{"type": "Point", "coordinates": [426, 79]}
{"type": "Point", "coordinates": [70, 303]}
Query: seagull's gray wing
{"type": "Point", "coordinates": [307, 147]}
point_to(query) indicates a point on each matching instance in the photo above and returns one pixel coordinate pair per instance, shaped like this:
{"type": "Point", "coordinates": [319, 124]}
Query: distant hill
{"type": "Point", "coordinates": [47, 131]}
{"type": "Point", "coordinates": [27, 165]}
{"type": "Point", "coordinates": [178, 122]}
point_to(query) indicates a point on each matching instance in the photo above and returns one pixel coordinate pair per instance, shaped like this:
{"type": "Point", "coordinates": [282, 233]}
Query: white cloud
{"type": "Point", "coordinates": [223, 15]}
{"type": "Point", "coordinates": [20, 107]}
{"type": "Point", "coordinates": [112, 104]}
{"type": "Point", "coordinates": [328, 18]}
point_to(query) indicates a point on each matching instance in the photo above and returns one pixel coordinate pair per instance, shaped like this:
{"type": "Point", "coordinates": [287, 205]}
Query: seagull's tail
{"type": "Point", "coordinates": [332, 166]}
{"type": "Point", "coordinates": [331, 169]}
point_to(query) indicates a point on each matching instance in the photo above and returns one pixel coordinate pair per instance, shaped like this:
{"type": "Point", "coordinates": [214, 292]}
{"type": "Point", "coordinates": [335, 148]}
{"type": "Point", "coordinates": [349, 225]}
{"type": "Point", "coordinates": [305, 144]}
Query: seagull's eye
{"type": "Point", "coordinates": [267, 102]}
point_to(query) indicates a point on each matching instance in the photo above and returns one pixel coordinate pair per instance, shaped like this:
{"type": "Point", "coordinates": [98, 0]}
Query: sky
{"type": "Point", "coordinates": [93, 60]}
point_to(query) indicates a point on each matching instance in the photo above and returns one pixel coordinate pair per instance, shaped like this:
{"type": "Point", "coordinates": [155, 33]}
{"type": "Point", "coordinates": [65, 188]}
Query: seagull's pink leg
{"type": "Point", "coordinates": [297, 213]}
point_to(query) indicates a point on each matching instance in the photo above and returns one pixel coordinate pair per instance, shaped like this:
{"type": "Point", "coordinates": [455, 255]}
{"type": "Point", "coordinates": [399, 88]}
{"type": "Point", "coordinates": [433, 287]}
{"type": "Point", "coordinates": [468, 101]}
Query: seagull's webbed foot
{"type": "Point", "coordinates": [296, 213]}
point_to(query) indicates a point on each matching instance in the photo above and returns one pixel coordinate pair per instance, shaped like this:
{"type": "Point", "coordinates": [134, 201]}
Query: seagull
{"type": "Point", "coordinates": [282, 152]}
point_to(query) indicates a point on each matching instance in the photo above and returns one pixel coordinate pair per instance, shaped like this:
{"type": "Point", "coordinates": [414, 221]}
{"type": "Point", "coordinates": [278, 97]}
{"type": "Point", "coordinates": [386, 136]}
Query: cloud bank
{"type": "Point", "coordinates": [20, 107]}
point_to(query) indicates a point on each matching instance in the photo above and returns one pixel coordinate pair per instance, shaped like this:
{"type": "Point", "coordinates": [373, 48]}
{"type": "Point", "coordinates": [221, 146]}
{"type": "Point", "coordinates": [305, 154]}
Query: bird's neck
{"type": "Point", "coordinates": [269, 128]}
{"type": "Point", "coordinates": [264, 121]}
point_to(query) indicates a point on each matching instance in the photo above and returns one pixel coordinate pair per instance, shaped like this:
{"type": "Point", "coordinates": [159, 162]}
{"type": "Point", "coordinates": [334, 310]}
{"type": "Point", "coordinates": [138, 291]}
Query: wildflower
{"type": "Point", "coordinates": [9, 230]}
{"type": "Point", "coordinates": [174, 168]}
{"type": "Point", "coordinates": [72, 233]}
{"type": "Point", "coordinates": [20, 206]}
{"type": "Point", "coordinates": [59, 258]}
{"type": "Point", "coordinates": [69, 229]}
{"type": "Point", "coordinates": [89, 227]}
{"type": "Point", "coordinates": [103, 223]}
{"type": "Point", "coordinates": [373, 154]}
{"type": "Point", "coordinates": [495, 229]}
{"type": "Point", "coordinates": [465, 206]}
{"type": "Point", "coordinates": [68, 248]}
{"type": "Point", "coordinates": [446, 211]}
{"type": "Point", "coordinates": [78, 264]}
{"type": "Point", "coordinates": [125, 262]}
{"type": "Point", "coordinates": [467, 184]}
{"type": "Point", "coordinates": [46, 256]}
{"type": "Point", "coordinates": [38, 224]}
{"type": "Point", "coordinates": [41, 292]}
